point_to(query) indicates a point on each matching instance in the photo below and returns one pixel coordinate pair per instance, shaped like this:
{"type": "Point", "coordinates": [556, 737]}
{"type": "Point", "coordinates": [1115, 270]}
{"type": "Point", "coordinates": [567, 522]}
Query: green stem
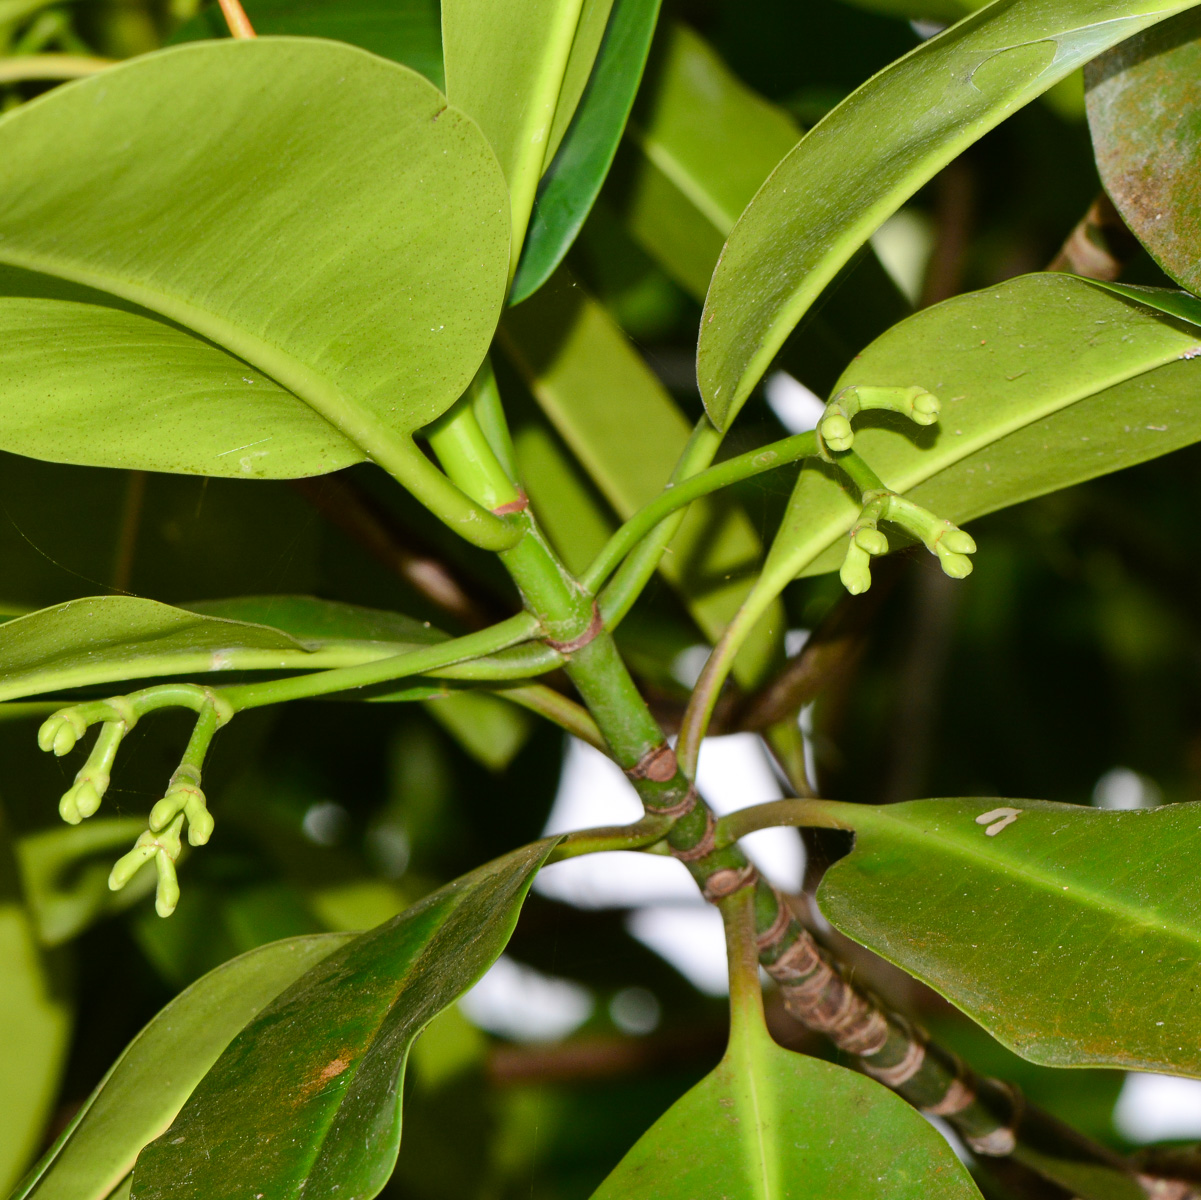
{"type": "Point", "coordinates": [626, 586]}
{"type": "Point", "coordinates": [677, 495]}
{"type": "Point", "coordinates": [643, 833]}
{"type": "Point", "coordinates": [558, 709]}
{"type": "Point", "coordinates": [516, 629]}
{"type": "Point", "coordinates": [812, 814]}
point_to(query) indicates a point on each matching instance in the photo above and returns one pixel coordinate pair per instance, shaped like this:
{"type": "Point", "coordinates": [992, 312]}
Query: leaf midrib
{"type": "Point", "coordinates": [1041, 879]}
{"type": "Point", "coordinates": [305, 383]}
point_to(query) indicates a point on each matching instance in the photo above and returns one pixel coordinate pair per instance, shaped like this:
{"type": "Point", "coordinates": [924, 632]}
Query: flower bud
{"type": "Point", "coordinates": [836, 432]}
{"type": "Point", "coordinates": [871, 540]}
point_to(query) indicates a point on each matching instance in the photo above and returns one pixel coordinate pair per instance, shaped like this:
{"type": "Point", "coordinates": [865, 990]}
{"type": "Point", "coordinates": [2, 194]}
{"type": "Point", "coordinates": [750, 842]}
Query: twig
{"type": "Point", "coordinates": [51, 66]}
{"type": "Point", "coordinates": [236, 19]}
{"type": "Point", "coordinates": [1100, 246]}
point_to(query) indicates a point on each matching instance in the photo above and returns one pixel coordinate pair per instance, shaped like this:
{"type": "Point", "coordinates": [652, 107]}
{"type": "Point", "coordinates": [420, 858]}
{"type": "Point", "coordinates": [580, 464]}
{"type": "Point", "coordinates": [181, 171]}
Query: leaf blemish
{"type": "Point", "coordinates": [1001, 817]}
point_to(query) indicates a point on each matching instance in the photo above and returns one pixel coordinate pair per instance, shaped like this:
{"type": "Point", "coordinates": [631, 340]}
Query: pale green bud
{"type": "Point", "coordinates": [959, 541]}
{"type": "Point", "coordinates": [871, 540]}
{"type": "Point", "coordinates": [836, 432]}
{"type": "Point", "coordinates": [958, 566]}
{"type": "Point", "coordinates": [926, 408]}
{"type": "Point", "coordinates": [856, 572]}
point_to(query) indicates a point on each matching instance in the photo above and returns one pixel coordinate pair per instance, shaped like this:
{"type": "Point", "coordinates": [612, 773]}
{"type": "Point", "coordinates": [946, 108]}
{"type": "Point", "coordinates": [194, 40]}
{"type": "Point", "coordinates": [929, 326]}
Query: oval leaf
{"type": "Point", "coordinates": [769, 1124]}
{"type": "Point", "coordinates": [148, 1084]}
{"type": "Point", "coordinates": [1045, 380]}
{"type": "Point", "coordinates": [1142, 101]}
{"type": "Point", "coordinates": [306, 1101]}
{"type": "Point", "coordinates": [1071, 934]}
{"type": "Point", "coordinates": [89, 382]}
{"type": "Point", "coordinates": [859, 164]}
{"type": "Point", "coordinates": [573, 179]}
{"type": "Point", "coordinates": [354, 250]}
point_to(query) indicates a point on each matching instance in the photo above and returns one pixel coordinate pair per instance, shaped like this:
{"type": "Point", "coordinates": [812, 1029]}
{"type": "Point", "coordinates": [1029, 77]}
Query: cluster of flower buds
{"type": "Point", "coordinates": [948, 542]}
{"type": "Point", "coordinates": [183, 803]}
{"type": "Point", "coordinates": [834, 429]}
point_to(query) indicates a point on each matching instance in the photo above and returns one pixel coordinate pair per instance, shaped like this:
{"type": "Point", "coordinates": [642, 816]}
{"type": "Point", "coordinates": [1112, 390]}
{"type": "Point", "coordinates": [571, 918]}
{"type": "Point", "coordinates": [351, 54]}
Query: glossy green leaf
{"type": "Point", "coordinates": [148, 1084]}
{"type": "Point", "coordinates": [858, 165]}
{"type": "Point", "coordinates": [574, 176]}
{"type": "Point", "coordinates": [1046, 381]}
{"type": "Point", "coordinates": [1073, 935]}
{"type": "Point", "coordinates": [596, 389]}
{"type": "Point", "coordinates": [406, 31]}
{"type": "Point", "coordinates": [1141, 99]}
{"type": "Point", "coordinates": [35, 1025]}
{"type": "Point", "coordinates": [506, 65]}
{"type": "Point", "coordinates": [586, 42]}
{"type": "Point", "coordinates": [65, 871]}
{"type": "Point", "coordinates": [124, 637]}
{"type": "Point", "coordinates": [99, 384]}
{"type": "Point", "coordinates": [354, 250]}
{"type": "Point", "coordinates": [307, 1099]}
{"type": "Point", "coordinates": [312, 620]}
{"type": "Point", "coordinates": [770, 1124]}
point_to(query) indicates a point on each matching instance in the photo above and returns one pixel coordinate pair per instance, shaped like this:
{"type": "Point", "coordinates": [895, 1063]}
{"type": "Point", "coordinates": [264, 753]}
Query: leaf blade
{"type": "Point", "coordinates": [135, 1102]}
{"type": "Point", "coordinates": [324, 1064]}
{"type": "Point", "coordinates": [1056, 933]}
{"type": "Point", "coordinates": [860, 163]}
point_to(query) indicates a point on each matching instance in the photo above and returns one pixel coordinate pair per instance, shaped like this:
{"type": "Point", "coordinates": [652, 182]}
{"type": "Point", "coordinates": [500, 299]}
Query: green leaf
{"type": "Point", "coordinates": [770, 1124]}
{"type": "Point", "coordinates": [859, 164]}
{"type": "Point", "coordinates": [65, 874]}
{"type": "Point", "coordinates": [307, 1099]}
{"type": "Point", "coordinates": [1045, 381]}
{"type": "Point", "coordinates": [596, 388]}
{"type": "Point", "coordinates": [35, 1026]}
{"type": "Point", "coordinates": [354, 250]}
{"type": "Point", "coordinates": [490, 729]}
{"type": "Point", "coordinates": [707, 142]}
{"type": "Point", "coordinates": [406, 31]}
{"type": "Point", "coordinates": [1071, 934]}
{"type": "Point", "coordinates": [98, 384]}
{"type": "Point", "coordinates": [506, 66]}
{"type": "Point", "coordinates": [1141, 103]}
{"type": "Point", "coordinates": [148, 1084]}
{"type": "Point", "coordinates": [323, 621]}
{"type": "Point", "coordinates": [573, 179]}
{"type": "Point", "coordinates": [124, 637]}
{"type": "Point", "coordinates": [704, 143]}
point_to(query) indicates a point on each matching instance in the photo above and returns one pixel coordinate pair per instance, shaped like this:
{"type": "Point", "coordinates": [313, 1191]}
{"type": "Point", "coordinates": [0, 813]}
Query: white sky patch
{"type": "Point", "coordinates": [796, 407]}
{"type": "Point", "coordinates": [1158, 1108]}
{"type": "Point", "coordinates": [691, 939]}
{"type": "Point", "coordinates": [670, 916]}
{"type": "Point", "coordinates": [1122, 789]}
{"type": "Point", "coordinates": [517, 1002]}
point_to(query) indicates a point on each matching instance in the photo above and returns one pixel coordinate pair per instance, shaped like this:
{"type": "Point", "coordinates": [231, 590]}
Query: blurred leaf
{"type": "Point", "coordinates": [707, 143]}
{"type": "Point", "coordinates": [1071, 934]}
{"type": "Point", "coordinates": [770, 1124]}
{"type": "Point", "coordinates": [35, 1026]}
{"type": "Point", "coordinates": [93, 383]}
{"type": "Point", "coordinates": [490, 729]}
{"type": "Point", "coordinates": [378, 238]}
{"type": "Point", "coordinates": [507, 66]}
{"type": "Point", "coordinates": [406, 31]}
{"type": "Point", "coordinates": [146, 1086]}
{"type": "Point", "coordinates": [922, 10]}
{"type": "Point", "coordinates": [1142, 111]}
{"type": "Point", "coordinates": [307, 1099]}
{"type": "Point", "coordinates": [871, 154]}
{"type": "Point", "coordinates": [573, 178]}
{"type": "Point", "coordinates": [627, 432]}
{"type": "Point", "coordinates": [65, 874]}
{"type": "Point", "coordinates": [1045, 381]}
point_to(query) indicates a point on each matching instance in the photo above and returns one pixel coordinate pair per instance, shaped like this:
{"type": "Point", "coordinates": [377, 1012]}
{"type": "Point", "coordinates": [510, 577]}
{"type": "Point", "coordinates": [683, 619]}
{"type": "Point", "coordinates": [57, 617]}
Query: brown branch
{"type": "Point", "coordinates": [1100, 246]}
{"type": "Point", "coordinates": [354, 511]}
